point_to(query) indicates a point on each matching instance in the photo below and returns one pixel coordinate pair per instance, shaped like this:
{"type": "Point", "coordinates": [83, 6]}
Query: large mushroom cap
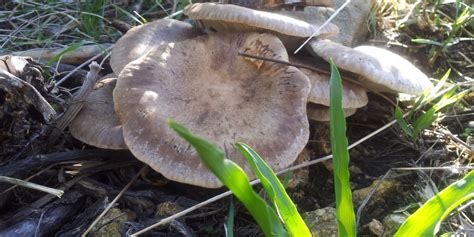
{"type": "Point", "coordinates": [228, 17]}
{"type": "Point", "coordinates": [320, 113]}
{"type": "Point", "coordinates": [141, 39]}
{"type": "Point", "coordinates": [96, 124]}
{"type": "Point", "coordinates": [381, 69]}
{"type": "Point", "coordinates": [353, 96]}
{"type": "Point", "coordinates": [203, 84]}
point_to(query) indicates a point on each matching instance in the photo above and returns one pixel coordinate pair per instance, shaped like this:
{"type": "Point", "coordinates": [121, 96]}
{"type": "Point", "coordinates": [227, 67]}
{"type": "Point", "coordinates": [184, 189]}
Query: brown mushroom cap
{"type": "Point", "coordinates": [353, 95]}
{"type": "Point", "coordinates": [381, 70]}
{"type": "Point", "coordinates": [203, 84]}
{"type": "Point", "coordinates": [228, 17]}
{"type": "Point", "coordinates": [97, 124]}
{"type": "Point", "coordinates": [320, 113]}
{"type": "Point", "coordinates": [141, 39]}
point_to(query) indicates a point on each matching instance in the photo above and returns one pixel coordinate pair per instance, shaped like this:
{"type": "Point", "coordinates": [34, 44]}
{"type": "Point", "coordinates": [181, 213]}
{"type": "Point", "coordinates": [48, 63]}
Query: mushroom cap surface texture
{"type": "Point", "coordinates": [141, 39]}
{"type": "Point", "coordinates": [353, 95]}
{"type": "Point", "coordinates": [381, 70]}
{"type": "Point", "coordinates": [320, 113]}
{"type": "Point", "coordinates": [97, 124]}
{"type": "Point", "coordinates": [228, 17]}
{"type": "Point", "coordinates": [203, 84]}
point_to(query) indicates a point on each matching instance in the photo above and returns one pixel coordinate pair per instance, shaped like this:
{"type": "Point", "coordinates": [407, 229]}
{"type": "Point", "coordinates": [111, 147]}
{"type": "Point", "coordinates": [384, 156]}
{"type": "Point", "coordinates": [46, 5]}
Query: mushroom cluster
{"type": "Point", "coordinates": [170, 69]}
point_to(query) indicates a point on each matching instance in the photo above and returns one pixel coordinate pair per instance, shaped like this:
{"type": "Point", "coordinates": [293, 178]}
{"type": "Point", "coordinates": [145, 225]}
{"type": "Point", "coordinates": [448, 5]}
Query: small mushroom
{"type": "Point", "coordinates": [381, 70]}
{"type": "Point", "coordinates": [228, 17]}
{"type": "Point", "coordinates": [353, 96]}
{"type": "Point", "coordinates": [97, 124]}
{"type": "Point", "coordinates": [320, 113]}
{"type": "Point", "coordinates": [141, 39]}
{"type": "Point", "coordinates": [203, 84]}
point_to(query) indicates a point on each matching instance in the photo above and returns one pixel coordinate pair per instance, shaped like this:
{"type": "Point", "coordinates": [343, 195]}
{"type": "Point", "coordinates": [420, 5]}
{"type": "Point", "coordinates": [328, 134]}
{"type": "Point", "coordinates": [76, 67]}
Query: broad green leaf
{"type": "Point", "coordinates": [71, 48]}
{"type": "Point", "coordinates": [427, 219]}
{"type": "Point", "coordinates": [236, 180]}
{"type": "Point", "coordinates": [344, 208]}
{"type": "Point", "coordinates": [285, 207]}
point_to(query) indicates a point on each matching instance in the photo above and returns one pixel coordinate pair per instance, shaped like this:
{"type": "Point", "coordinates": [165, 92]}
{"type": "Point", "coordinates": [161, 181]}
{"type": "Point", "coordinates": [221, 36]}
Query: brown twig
{"type": "Point", "coordinates": [347, 76]}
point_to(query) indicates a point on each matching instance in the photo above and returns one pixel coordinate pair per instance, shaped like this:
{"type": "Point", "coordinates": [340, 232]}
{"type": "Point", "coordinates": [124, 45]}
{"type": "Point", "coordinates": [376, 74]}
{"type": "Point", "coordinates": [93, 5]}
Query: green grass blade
{"type": "Point", "coordinates": [344, 208]}
{"type": "Point", "coordinates": [286, 208]}
{"type": "Point", "coordinates": [402, 122]}
{"type": "Point", "coordinates": [433, 91]}
{"type": "Point", "coordinates": [71, 48]}
{"type": "Point", "coordinates": [229, 231]}
{"type": "Point", "coordinates": [91, 17]}
{"type": "Point", "coordinates": [427, 219]}
{"type": "Point", "coordinates": [425, 120]}
{"type": "Point", "coordinates": [427, 41]}
{"type": "Point", "coordinates": [236, 180]}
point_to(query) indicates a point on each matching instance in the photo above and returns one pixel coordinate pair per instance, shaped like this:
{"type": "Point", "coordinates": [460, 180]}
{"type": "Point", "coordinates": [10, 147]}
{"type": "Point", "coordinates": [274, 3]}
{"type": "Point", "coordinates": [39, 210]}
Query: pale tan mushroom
{"type": "Point", "coordinates": [228, 17]}
{"type": "Point", "coordinates": [381, 70]}
{"type": "Point", "coordinates": [203, 84]}
{"type": "Point", "coordinates": [261, 4]}
{"type": "Point", "coordinates": [141, 39]}
{"type": "Point", "coordinates": [353, 95]}
{"type": "Point", "coordinates": [320, 113]}
{"type": "Point", "coordinates": [97, 124]}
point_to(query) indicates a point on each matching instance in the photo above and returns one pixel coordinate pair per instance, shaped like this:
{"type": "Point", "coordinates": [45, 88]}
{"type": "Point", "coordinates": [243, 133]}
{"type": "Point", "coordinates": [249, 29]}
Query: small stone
{"type": "Point", "coordinates": [322, 222]}
{"type": "Point", "coordinates": [300, 176]}
{"type": "Point", "coordinates": [168, 209]}
{"type": "Point", "coordinates": [392, 223]}
{"type": "Point", "coordinates": [352, 20]}
{"type": "Point", "coordinates": [376, 227]}
{"type": "Point", "coordinates": [112, 228]}
{"type": "Point", "coordinates": [386, 188]}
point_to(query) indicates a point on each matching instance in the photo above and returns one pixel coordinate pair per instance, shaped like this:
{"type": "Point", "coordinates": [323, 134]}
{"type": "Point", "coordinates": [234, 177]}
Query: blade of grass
{"type": "Point", "coordinates": [427, 219]}
{"type": "Point", "coordinates": [71, 48]}
{"type": "Point", "coordinates": [402, 122]}
{"type": "Point", "coordinates": [344, 207]}
{"type": "Point", "coordinates": [425, 120]}
{"type": "Point", "coordinates": [236, 180]}
{"type": "Point", "coordinates": [285, 207]}
{"type": "Point", "coordinates": [91, 17]}
{"type": "Point", "coordinates": [229, 230]}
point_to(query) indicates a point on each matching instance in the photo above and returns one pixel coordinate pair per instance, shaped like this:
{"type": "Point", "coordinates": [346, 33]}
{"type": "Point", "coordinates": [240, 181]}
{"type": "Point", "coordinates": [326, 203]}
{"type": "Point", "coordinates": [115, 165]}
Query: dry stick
{"type": "Point", "coordinates": [345, 76]}
{"type": "Point", "coordinates": [28, 179]}
{"type": "Point", "coordinates": [111, 204]}
{"type": "Point", "coordinates": [435, 168]}
{"type": "Point", "coordinates": [19, 182]}
{"type": "Point", "coordinates": [454, 138]}
{"type": "Point", "coordinates": [318, 70]}
{"type": "Point", "coordinates": [77, 56]}
{"type": "Point", "coordinates": [82, 65]}
{"type": "Point", "coordinates": [323, 25]}
{"type": "Point", "coordinates": [72, 111]}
